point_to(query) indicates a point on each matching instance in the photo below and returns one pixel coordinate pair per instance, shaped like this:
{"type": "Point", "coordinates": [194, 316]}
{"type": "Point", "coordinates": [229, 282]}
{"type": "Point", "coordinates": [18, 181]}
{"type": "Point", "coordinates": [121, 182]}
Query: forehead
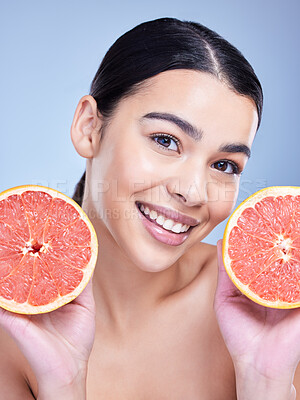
{"type": "Point", "coordinates": [199, 98]}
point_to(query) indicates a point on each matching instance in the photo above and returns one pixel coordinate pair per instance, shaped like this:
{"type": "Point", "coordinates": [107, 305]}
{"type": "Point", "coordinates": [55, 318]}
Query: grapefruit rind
{"type": "Point", "coordinates": [250, 202]}
{"type": "Point", "coordinates": [25, 308]}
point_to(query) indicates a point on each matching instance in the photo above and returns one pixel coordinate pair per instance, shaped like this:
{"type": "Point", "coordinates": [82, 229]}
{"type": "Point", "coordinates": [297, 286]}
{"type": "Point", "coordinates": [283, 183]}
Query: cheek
{"type": "Point", "coordinates": [135, 170]}
{"type": "Point", "coordinates": [222, 199]}
{"type": "Point", "coordinates": [124, 172]}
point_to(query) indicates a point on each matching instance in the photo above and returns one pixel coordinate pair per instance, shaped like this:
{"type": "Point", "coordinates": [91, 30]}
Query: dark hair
{"type": "Point", "coordinates": [167, 44]}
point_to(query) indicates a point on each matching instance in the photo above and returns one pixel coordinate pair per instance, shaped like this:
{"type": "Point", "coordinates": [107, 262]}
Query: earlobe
{"type": "Point", "coordinates": [85, 129]}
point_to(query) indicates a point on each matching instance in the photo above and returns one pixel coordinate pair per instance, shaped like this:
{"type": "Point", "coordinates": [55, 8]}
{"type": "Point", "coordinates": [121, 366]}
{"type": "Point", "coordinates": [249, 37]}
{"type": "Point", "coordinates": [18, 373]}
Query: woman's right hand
{"type": "Point", "coordinates": [57, 345]}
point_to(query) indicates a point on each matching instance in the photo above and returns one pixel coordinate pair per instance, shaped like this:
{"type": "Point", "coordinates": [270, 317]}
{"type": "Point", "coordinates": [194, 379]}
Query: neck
{"type": "Point", "coordinates": [124, 293]}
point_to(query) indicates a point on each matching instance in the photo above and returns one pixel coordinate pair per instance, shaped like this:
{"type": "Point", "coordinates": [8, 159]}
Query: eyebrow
{"type": "Point", "coordinates": [185, 126]}
{"type": "Point", "coordinates": [235, 148]}
{"type": "Point", "coordinates": [195, 133]}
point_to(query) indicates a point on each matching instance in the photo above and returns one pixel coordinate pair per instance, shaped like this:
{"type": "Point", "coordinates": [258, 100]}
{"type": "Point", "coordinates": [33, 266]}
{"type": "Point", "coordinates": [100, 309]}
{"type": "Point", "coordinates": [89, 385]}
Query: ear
{"type": "Point", "coordinates": [85, 129]}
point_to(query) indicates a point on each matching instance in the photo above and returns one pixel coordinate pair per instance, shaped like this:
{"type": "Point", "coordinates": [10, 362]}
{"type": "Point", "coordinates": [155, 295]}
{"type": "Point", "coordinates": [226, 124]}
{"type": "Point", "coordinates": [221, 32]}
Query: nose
{"type": "Point", "coordinates": [190, 188]}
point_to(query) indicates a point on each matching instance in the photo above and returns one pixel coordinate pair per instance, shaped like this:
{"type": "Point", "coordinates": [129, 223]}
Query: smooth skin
{"type": "Point", "coordinates": [160, 323]}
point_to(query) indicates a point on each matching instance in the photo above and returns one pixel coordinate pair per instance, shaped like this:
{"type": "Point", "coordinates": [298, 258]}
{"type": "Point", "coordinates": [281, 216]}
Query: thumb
{"type": "Point", "coordinates": [225, 287]}
{"type": "Point", "coordinates": [86, 297]}
{"type": "Point", "coordinates": [224, 282]}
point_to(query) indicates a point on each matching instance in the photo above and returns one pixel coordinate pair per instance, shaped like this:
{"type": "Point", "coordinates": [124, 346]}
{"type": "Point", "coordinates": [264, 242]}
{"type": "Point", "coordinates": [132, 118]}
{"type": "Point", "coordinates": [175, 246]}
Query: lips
{"type": "Point", "coordinates": [172, 214]}
{"type": "Point", "coordinates": [174, 234]}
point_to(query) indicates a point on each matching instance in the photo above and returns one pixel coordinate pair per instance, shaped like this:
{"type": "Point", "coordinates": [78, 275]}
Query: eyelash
{"type": "Point", "coordinates": [165, 135]}
{"type": "Point", "coordinates": [235, 167]}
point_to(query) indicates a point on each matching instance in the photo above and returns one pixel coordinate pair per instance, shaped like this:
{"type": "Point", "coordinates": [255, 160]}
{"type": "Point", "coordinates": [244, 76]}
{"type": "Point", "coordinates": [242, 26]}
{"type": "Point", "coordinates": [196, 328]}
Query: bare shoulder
{"type": "Point", "coordinates": [200, 265]}
{"type": "Point", "coordinates": [15, 374]}
{"type": "Point", "coordinates": [206, 255]}
{"type": "Point", "coordinates": [209, 254]}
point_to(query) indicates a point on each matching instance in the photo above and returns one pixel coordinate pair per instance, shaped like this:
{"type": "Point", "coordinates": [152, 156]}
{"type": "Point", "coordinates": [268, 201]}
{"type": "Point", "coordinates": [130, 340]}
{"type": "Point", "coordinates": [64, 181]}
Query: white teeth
{"type": "Point", "coordinates": [184, 228]}
{"type": "Point", "coordinates": [177, 228]}
{"type": "Point", "coordinates": [147, 211]}
{"type": "Point", "coordinates": [160, 220]}
{"type": "Point", "coordinates": [153, 214]}
{"type": "Point", "coordinates": [168, 224]}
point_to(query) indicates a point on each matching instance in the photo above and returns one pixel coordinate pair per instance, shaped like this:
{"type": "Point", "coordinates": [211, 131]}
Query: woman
{"type": "Point", "coordinates": [166, 131]}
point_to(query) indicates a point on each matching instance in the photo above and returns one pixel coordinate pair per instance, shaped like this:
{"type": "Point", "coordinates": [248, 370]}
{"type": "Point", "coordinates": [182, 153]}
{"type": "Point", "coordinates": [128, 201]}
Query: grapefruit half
{"type": "Point", "coordinates": [261, 247]}
{"type": "Point", "coordinates": [48, 249]}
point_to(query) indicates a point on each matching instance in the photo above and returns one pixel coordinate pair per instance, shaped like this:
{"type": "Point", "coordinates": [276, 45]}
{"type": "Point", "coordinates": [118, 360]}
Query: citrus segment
{"type": "Point", "coordinates": [48, 249]}
{"type": "Point", "coordinates": [75, 234]}
{"type": "Point", "coordinates": [261, 247]}
{"type": "Point", "coordinates": [77, 257]}
{"type": "Point", "coordinates": [8, 264]}
{"type": "Point", "coordinates": [246, 269]}
{"type": "Point", "coordinates": [16, 286]}
{"type": "Point", "coordinates": [247, 244]}
{"type": "Point", "coordinates": [294, 228]}
{"type": "Point", "coordinates": [289, 282]}
{"type": "Point", "coordinates": [43, 288]}
{"type": "Point", "coordinates": [60, 216]}
{"type": "Point", "coordinates": [253, 223]}
{"type": "Point", "coordinates": [9, 236]}
{"type": "Point", "coordinates": [37, 206]}
{"type": "Point", "coordinates": [9, 250]}
{"type": "Point", "coordinates": [12, 213]}
{"type": "Point", "coordinates": [276, 212]}
{"type": "Point", "coordinates": [66, 278]}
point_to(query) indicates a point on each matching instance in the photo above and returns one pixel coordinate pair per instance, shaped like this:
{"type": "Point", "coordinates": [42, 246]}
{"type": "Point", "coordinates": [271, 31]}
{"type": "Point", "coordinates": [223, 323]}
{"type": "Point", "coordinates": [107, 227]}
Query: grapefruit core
{"type": "Point", "coordinates": [48, 249]}
{"type": "Point", "coordinates": [261, 247]}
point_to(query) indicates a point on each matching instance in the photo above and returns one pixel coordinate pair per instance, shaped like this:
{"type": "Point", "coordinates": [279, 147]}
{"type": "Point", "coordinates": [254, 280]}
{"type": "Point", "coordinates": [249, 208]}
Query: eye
{"type": "Point", "coordinates": [228, 167]}
{"type": "Point", "coordinates": [166, 141]}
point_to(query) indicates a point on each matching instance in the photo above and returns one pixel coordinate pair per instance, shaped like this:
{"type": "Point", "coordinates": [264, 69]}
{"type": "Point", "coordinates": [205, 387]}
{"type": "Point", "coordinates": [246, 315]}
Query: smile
{"type": "Point", "coordinates": [163, 228]}
{"type": "Point", "coordinates": [167, 223]}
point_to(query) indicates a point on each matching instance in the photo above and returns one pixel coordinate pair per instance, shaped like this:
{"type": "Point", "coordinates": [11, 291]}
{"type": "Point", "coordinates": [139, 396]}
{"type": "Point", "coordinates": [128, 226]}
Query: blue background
{"type": "Point", "coordinates": [50, 51]}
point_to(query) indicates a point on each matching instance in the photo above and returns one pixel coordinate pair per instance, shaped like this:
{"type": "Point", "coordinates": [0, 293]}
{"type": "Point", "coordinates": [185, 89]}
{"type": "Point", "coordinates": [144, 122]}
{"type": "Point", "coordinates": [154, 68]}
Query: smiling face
{"type": "Point", "coordinates": [172, 151]}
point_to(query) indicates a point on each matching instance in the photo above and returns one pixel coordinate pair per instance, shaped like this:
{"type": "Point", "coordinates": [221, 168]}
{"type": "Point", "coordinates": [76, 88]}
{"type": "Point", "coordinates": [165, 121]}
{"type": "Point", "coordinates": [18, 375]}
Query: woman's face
{"type": "Point", "coordinates": [173, 151]}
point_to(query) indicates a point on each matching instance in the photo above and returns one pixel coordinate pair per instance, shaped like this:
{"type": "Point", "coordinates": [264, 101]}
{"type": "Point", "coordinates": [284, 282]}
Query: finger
{"type": "Point", "coordinates": [12, 322]}
{"type": "Point", "coordinates": [21, 329]}
{"type": "Point", "coordinates": [86, 297]}
{"type": "Point", "coordinates": [224, 282]}
{"type": "Point", "coordinates": [225, 287]}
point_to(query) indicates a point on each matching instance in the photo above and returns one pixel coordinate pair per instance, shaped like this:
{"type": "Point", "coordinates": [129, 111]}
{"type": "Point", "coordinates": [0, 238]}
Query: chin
{"type": "Point", "coordinates": [151, 263]}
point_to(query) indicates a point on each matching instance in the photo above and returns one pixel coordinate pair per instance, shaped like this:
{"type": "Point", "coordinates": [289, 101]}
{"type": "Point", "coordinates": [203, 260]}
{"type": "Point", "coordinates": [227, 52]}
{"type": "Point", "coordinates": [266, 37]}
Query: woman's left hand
{"type": "Point", "coordinates": [263, 342]}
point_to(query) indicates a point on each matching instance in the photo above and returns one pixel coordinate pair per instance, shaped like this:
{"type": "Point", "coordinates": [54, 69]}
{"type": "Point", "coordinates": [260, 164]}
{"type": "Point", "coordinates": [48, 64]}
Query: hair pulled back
{"type": "Point", "coordinates": [167, 44]}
